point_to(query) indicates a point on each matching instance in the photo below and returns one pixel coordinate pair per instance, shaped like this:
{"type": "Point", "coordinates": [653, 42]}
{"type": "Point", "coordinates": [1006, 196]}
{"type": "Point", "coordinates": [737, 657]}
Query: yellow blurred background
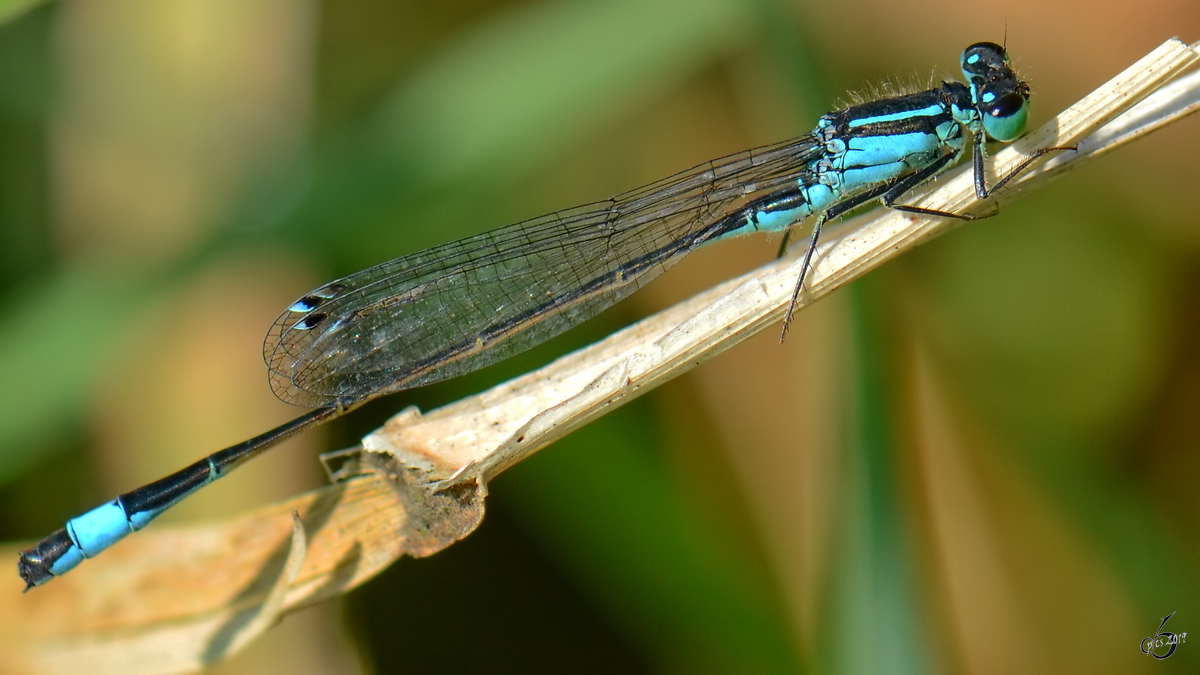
{"type": "Point", "coordinates": [980, 459]}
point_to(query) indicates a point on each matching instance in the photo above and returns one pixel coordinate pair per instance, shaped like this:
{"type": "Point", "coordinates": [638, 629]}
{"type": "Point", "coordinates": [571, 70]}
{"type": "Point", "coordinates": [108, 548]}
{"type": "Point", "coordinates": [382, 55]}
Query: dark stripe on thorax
{"type": "Point", "coordinates": [915, 113]}
{"type": "Point", "coordinates": [910, 125]}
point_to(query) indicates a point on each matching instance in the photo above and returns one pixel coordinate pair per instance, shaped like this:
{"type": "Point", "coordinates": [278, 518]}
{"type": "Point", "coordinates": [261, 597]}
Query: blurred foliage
{"type": "Point", "coordinates": [1001, 474]}
{"type": "Point", "coordinates": [12, 9]}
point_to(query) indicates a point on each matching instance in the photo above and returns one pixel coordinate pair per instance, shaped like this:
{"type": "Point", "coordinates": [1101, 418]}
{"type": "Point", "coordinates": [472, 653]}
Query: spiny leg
{"type": "Point", "coordinates": [888, 193]}
{"type": "Point", "coordinates": [812, 246]}
{"type": "Point", "coordinates": [981, 189]}
{"type": "Point", "coordinates": [900, 187]}
{"type": "Point", "coordinates": [1020, 168]}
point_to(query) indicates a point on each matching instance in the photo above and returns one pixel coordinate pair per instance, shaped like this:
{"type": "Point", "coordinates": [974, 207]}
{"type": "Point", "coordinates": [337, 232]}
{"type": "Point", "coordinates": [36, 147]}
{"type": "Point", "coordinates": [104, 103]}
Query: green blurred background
{"type": "Point", "coordinates": [980, 459]}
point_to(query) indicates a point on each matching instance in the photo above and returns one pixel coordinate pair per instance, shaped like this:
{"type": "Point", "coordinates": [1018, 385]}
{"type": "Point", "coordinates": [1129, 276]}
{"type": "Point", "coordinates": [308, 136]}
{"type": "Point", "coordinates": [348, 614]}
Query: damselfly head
{"type": "Point", "coordinates": [1001, 98]}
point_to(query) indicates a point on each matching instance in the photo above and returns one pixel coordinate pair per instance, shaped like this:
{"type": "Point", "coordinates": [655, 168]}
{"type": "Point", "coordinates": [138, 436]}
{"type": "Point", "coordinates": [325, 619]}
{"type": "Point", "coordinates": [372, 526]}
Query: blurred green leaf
{"type": "Point", "coordinates": [58, 333]}
{"type": "Point", "coordinates": [875, 619]}
{"type": "Point", "coordinates": [13, 9]}
{"type": "Point", "coordinates": [491, 105]}
{"type": "Point", "coordinates": [520, 88]}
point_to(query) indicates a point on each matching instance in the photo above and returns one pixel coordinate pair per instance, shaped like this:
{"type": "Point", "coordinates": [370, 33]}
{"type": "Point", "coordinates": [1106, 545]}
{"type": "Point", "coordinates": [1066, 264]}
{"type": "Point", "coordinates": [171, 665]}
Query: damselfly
{"type": "Point", "coordinates": [451, 309]}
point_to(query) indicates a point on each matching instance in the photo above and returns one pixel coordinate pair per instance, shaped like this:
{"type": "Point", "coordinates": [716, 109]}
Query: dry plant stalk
{"type": "Point", "coordinates": [176, 600]}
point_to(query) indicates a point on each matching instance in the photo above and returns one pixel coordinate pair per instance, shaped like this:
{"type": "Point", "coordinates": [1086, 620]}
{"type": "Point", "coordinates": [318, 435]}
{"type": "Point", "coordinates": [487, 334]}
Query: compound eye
{"type": "Point", "coordinates": [1006, 106]}
{"type": "Point", "coordinates": [1006, 116]}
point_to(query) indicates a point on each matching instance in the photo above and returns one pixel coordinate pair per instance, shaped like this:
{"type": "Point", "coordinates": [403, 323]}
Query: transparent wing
{"type": "Point", "coordinates": [453, 308]}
